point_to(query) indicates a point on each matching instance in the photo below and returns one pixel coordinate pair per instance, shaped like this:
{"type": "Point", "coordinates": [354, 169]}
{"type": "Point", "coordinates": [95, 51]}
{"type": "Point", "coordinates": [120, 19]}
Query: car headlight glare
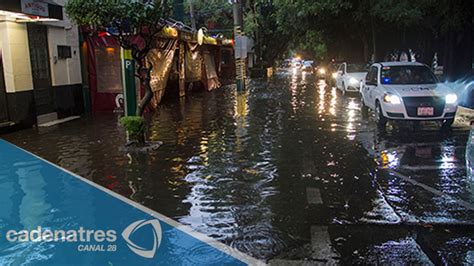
{"type": "Point", "coordinates": [353, 81]}
{"type": "Point", "coordinates": [334, 75]}
{"type": "Point", "coordinates": [393, 99]}
{"type": "Point", "coordinates": [322, 71]}
{"type": "Point", "coordinates": [451, 98]}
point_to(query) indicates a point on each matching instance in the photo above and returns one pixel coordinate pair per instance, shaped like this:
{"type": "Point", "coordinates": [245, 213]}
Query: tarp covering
{"type": "Point", "coordinates": [193, 62]}
{"type": "Point", "coordinates": [182, 69]}
{"type": "Point", "coordinates": [161, 57]}
{"type": "Point", "coordinates": [212, 80]}
{"type": "Point", "coordinates": [205, 65]}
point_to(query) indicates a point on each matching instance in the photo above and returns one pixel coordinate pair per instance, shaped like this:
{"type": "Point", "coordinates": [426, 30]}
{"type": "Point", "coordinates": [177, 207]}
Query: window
{"type": "Point", "coordinates": [109, 71]}
{"type": "Point", "coordinates": [352, 68]}
{"type": "Point", "coordinates": [371, 77]}
{"type": "Point", "coordinates": [407, 75]}
{"type": "Point", "coordinates": [64, 51]}
{"type": "Point", "coordinates": [341, 67]}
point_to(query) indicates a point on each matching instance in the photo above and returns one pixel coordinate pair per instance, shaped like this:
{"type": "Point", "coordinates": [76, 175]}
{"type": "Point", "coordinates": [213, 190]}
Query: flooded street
{"type": "Point", "coordinates": [289, 170]}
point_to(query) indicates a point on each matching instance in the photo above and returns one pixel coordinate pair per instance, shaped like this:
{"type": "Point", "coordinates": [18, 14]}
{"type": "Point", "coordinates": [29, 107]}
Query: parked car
{"type": "Point", "coordinates": [308, 66]}
{"type": "Point", "coordinates": [349, 77]}
{"type": "Point", "coordinates": [296, 64]}
{"type": "Point", "coordinates": [286, 63]}
{"type": "Point", "coordinates": [407, 91]}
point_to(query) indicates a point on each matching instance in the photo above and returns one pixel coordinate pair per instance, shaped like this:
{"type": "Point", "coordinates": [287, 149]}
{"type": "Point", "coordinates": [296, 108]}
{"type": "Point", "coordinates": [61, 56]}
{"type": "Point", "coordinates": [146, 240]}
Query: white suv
{"type": "Point", "coordinates": [407, 91]}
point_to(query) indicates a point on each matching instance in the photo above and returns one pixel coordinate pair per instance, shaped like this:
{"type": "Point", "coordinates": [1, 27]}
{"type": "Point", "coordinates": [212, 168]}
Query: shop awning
{"type": "Point", "coordinates": [33, 8]}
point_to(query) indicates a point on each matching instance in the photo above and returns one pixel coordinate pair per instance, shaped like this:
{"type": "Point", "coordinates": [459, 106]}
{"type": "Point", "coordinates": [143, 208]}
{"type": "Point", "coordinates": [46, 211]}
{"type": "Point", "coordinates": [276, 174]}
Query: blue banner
{"type": "Point", "coordinates": [49, 216]}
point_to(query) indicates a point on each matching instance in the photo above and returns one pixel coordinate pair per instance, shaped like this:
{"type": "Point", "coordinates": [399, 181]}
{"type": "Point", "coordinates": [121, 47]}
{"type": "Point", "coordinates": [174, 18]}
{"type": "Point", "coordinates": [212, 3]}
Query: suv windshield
{"type": "Point", "coordinates": [351, 68]}
{"type": "Point", "coordinates": [407, 75]}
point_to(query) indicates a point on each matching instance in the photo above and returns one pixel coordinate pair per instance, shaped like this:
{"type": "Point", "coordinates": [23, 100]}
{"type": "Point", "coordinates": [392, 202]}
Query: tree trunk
{"type": "Point", "coordinates": [372, 28]}
{"type": "Point", "coordinates": [144, 74]}
{"type": "Point", "coordinates": [374, 44]}
{"type": "Point", "coordinates": [365, 47]}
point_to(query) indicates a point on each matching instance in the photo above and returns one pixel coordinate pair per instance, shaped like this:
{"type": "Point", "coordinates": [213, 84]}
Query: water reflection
{"type": "Point", "coordinates": [33, 209]}
{"type": "Point", "coordinates": [332, 103]}
{"type": "Point", "coordinates": [322, 96]}
{"type": "Point", "coordinates": [428, 157]}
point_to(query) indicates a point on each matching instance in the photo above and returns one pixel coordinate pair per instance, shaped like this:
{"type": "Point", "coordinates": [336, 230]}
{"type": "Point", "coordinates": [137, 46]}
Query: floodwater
{"type": "Point", "coordinates": [288, 171]}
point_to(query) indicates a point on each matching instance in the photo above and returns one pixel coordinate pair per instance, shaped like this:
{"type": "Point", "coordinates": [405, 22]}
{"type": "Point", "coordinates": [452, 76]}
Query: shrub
{"type": "Point", "coordinates": [135, 127]}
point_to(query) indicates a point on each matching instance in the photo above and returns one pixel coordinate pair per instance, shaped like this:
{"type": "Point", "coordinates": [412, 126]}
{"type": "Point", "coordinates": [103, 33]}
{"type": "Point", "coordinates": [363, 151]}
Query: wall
{"type": "Point", "coordinates": [64, 32]}
{"type": "Point", "coordinates": [64, 71]}
{"type": "Point", "coordinates": [66, 76]}
{"type": "Point", "coordinates": [16, 56]}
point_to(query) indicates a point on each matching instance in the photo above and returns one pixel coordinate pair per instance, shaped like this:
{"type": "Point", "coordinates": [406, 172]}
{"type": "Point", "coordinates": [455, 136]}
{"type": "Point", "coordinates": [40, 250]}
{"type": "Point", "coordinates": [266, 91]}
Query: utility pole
{"type": "Point", "coordinates": [128, 82]}
{"type": "Point", "coordinates": [238, 43]}
{"type": "Point", "coordinates": [191, 15]}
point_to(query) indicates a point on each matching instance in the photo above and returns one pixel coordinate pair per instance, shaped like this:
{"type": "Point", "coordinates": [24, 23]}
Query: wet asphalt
{"type": "Point", "coordinates": [290, 172]}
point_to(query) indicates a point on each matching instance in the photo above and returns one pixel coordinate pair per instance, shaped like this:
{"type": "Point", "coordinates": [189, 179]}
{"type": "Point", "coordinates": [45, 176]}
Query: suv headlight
{"type": "Point", "coordinates": [451, 98]}
{"type": "Point", "coordinates": [393, 99]}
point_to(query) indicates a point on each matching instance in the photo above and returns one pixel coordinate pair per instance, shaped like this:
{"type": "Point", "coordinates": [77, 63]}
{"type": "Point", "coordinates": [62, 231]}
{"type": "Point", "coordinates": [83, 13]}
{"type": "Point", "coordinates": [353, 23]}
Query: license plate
{"type": "Point", "coordinates": [425, 111]}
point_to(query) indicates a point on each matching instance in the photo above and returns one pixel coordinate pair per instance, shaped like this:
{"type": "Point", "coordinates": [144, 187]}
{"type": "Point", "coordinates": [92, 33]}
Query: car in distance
{"type": "Point", "coordinates": [296, 64]}
{"type": "Point", "coordinates": [308, 66]}
{"type": "Point", "coordinates": [407, 91]}
{"type": "Point", "coordinates": [321, 71]}
{"type": "Point", "coordinates": [349, 77]}
{"type": "Point", "coordinates": [286, 63]}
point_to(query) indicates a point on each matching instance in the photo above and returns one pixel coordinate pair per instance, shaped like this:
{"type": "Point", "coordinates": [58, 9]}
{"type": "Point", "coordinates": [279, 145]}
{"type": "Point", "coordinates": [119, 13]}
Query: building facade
{"type": "Point", "coordinates": [40, 63]}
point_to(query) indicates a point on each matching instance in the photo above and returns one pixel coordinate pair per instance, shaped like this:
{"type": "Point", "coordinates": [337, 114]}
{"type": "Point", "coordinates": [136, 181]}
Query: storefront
{"type": "Point", "coordinates": [179, 65]}
{"type": "Point", "coordinates": [40, 77]}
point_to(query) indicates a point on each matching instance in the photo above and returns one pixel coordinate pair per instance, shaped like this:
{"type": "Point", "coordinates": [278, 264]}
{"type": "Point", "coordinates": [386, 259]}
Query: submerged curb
{"type": "Point", "coordinates": [464, 116]}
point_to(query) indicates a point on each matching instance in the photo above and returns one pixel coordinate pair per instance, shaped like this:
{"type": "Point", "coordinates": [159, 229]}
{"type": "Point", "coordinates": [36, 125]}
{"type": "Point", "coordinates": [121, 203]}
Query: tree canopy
{"type": "Point", "coordinates": [362, 29]}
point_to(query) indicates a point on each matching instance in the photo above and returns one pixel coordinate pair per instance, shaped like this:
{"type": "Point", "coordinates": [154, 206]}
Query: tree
{"type": "Point", "coordinates": [312, 44]}
{"type": "Point", "coordinates": [261, 23]}
{"type": "Point", "coordinates": [134, 24]}
{"type": "Point", "coordinates": [213, 14]}
{"type": "Point", "coordinates": [356, 29]}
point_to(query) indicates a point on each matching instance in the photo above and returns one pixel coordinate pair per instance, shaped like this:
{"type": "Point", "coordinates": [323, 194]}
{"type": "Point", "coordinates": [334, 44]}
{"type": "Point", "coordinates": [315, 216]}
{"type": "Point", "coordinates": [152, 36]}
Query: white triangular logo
{"type": "Point", "coordinates": [141, 251]}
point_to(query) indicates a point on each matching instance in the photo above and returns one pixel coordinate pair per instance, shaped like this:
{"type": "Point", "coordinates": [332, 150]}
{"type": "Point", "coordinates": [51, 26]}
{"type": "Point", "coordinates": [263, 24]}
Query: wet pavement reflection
{"type": "Point", "coordinates": [288, 171]}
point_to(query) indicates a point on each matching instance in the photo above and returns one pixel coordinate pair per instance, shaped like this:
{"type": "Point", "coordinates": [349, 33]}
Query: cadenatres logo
{"type": "Point", "coordinates": [95, 240]}
{"type": "Point", "coordinates": [156, 229]}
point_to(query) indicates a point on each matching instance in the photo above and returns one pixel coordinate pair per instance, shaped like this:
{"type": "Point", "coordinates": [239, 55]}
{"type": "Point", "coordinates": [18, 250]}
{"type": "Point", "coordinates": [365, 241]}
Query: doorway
{"type": "Point", "coordinates": [40, 69]}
